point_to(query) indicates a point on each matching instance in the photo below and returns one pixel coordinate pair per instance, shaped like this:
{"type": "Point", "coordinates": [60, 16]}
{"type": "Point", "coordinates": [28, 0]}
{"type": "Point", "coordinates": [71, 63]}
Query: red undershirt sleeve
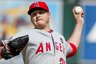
{"type": "Point", "coordinates": [74, 49]}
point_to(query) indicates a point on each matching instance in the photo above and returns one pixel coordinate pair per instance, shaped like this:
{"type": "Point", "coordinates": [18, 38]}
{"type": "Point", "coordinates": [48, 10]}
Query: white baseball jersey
{"type": "Point", "coordinates": [45, 48]}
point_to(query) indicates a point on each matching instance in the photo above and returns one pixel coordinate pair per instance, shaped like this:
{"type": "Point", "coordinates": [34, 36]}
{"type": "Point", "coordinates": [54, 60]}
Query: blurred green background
{"type": "Point", "coordinates": [69, 24]}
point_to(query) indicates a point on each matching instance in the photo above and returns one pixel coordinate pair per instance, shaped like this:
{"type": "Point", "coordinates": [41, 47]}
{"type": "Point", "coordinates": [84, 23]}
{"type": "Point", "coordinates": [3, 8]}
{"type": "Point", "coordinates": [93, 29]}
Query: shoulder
{"type": "Point", "coordinates": [23, 32]}
{"type": "Point", "coordinates": [57, 33]}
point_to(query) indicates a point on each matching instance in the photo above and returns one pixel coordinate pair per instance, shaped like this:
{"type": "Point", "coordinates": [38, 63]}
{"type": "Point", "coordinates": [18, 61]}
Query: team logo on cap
{"type": "Point", "coordinates": [36, 4]}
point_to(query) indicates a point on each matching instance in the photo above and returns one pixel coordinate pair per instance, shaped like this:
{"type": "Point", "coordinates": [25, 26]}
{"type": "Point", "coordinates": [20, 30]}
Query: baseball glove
{"type": "Point", "coordinates": [14, 47]}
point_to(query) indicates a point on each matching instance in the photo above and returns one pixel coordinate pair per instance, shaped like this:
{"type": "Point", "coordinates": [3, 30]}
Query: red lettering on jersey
{"type": "Point", "coordinates": [40, 48]}
{"type": "Point", "coordinates": [48, 47]}
{"type": "Point", "coordinates": [62, 61]}
{"type": "Point", "coordinates": [59, 47]}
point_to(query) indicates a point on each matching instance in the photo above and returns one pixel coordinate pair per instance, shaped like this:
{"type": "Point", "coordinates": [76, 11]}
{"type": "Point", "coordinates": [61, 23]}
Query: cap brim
{"type": "Point", "coordinates": [36, 8]}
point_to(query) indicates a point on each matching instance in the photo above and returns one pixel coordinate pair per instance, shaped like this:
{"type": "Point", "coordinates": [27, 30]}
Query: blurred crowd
{"type": "Point", "coordinates": [8, 29]}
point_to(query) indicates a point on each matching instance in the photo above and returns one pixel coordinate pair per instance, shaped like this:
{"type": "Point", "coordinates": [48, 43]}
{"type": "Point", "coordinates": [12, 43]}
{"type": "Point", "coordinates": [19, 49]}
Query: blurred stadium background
{"type": "Point", "coordinates": [14, 18]}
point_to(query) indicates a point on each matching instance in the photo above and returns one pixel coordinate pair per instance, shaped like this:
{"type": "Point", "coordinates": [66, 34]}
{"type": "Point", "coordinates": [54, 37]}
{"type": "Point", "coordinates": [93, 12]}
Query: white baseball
{"type": "Point", "coordinates": [77, 9]}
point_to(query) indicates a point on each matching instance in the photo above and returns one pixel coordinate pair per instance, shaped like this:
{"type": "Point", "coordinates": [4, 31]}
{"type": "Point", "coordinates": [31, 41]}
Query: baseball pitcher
{"type": "Point", "coordinates": [45, 45]}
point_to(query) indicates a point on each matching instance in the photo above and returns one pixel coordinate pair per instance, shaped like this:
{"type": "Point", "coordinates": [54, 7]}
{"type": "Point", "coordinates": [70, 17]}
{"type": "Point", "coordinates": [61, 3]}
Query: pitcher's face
{"type": "Point", "coordinates": [40, 18]}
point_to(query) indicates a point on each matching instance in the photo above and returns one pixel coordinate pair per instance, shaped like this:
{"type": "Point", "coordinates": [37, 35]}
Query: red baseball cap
{"type": "Point", "coordinates": [38, 5]}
